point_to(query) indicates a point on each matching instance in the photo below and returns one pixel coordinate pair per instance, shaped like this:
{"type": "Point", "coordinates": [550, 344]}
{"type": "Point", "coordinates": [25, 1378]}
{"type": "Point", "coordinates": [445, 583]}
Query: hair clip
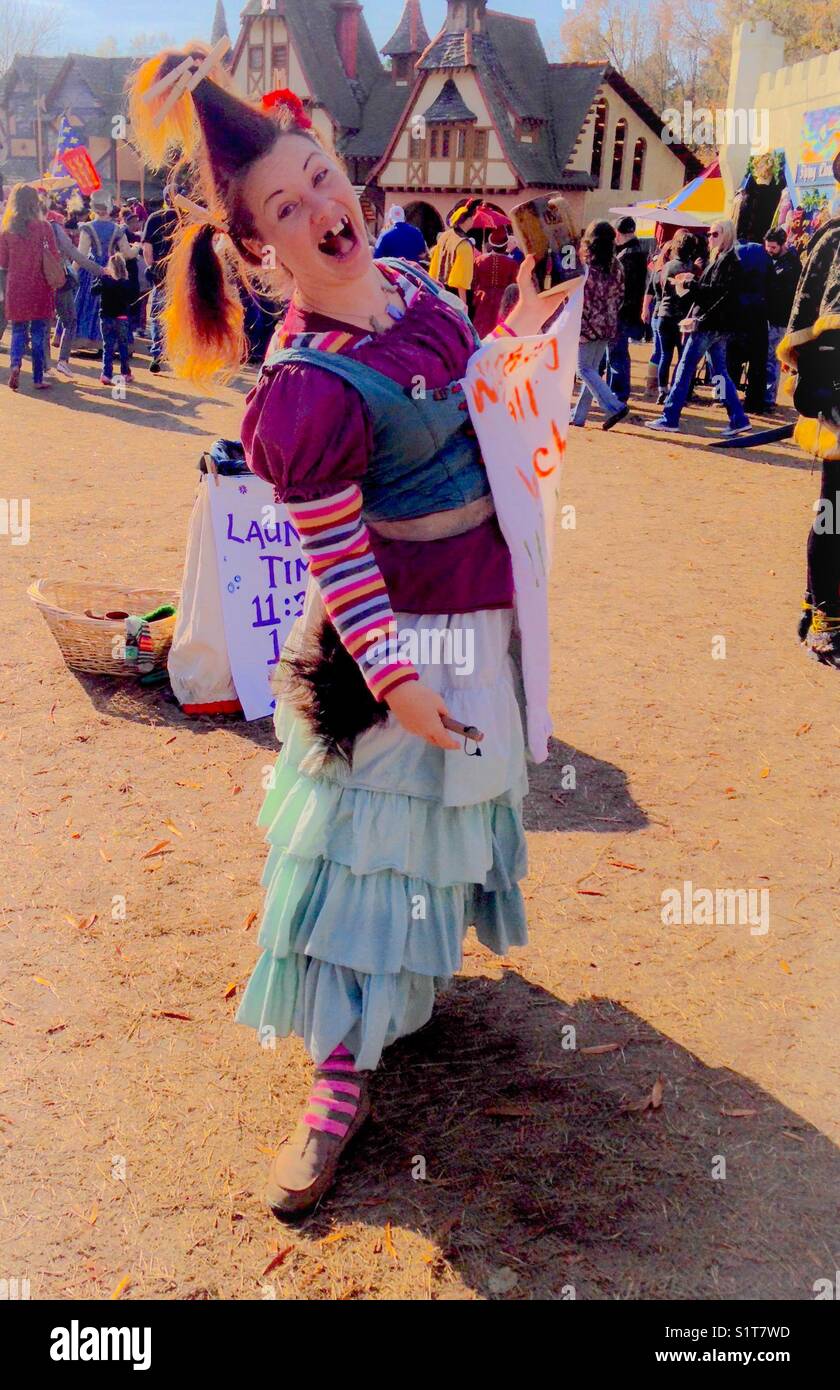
{"type": "Point", "coordinates": [184, 78]}
{"type": "Point", "coordinates": [284, 96]}
{"type": "Point", "coordinates": [195, 213]}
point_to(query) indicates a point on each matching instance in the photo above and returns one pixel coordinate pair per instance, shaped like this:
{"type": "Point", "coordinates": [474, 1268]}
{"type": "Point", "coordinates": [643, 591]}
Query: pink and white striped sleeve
{"type": "Point", "coordinates": [336, 542]}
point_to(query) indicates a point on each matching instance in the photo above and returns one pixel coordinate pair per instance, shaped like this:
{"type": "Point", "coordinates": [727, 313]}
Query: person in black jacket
{"type": "Point", "coordinates": [675, 281]}
{"type": "Point", "coordinates": [634, 264]}
{"type": "Point", "coordinates": [784, 275]}
{"type": "Point", "coordinates": [709, 321]}
{"type": "Point", "coordinates": [748, 344]}
{"type": "Point", "coordinates": [810, 349]}
{"type": "Point", "coordinates": [116, 298]}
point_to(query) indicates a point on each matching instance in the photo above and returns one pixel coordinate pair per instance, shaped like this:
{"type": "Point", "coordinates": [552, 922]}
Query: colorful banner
{"type": "Point", "coordinates": [519, 392]}
{"type": "Point", "coordinates": [81, 167]}
{"type": "Point", "coordinates": [816, 187]}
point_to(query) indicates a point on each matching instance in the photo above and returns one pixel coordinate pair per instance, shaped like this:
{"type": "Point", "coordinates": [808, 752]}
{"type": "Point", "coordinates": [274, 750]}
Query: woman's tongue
{"type": "Point", "coordinates": [338, 245]}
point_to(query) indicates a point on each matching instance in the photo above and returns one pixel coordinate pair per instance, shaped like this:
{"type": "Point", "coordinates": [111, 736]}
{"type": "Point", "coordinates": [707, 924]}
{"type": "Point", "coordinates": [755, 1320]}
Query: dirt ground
{"type": "Point", "coordinates": [137, 1120]}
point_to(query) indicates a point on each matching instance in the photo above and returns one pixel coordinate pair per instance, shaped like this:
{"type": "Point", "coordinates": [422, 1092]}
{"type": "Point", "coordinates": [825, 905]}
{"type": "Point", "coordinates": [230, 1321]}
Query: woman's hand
{"type": "Point", "coordinates": [419, 708]}
{"type": "Point", "coordinates": [534, 309]}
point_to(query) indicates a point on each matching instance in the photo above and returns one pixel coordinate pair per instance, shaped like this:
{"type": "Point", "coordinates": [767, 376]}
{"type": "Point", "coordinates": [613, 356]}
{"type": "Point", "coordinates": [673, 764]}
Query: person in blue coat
{"type": "Point", "coordinates": [400, 238]}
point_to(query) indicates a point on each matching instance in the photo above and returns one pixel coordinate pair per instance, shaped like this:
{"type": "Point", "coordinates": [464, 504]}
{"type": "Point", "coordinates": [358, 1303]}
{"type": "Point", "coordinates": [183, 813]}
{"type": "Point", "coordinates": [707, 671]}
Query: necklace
{"type": "Point", "coordinates": [394, 311]}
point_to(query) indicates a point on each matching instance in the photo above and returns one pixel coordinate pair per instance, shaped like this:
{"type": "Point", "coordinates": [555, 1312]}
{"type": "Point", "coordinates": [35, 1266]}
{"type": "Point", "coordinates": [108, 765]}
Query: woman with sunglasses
{"type": "Point", "coordinates": [709, 321]}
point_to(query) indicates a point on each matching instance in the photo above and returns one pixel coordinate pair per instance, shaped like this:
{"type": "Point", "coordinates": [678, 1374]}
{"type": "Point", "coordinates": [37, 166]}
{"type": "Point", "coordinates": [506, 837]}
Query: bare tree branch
{"type": "Point", "coordinates": [27, 28]}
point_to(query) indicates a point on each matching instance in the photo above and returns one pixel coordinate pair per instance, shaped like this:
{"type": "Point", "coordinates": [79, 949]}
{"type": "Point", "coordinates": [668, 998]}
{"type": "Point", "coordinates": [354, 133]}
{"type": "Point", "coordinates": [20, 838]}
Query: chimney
{"type": "Point", "coordinates": [465, 16]}
{"type": "Point", "coordinates": [347, 34]}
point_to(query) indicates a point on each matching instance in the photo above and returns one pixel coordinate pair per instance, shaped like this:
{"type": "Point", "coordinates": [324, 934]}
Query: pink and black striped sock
{"type": "Point", "coordinates": [333, 1096]}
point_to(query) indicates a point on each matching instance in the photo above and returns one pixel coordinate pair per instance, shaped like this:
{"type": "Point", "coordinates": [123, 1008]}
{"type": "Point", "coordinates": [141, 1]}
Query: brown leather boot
{"type": "Point", "coordinates": [305, 1165]}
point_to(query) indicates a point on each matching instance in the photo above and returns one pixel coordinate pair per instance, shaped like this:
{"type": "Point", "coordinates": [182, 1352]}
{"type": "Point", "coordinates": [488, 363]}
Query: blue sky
{"type": "Point", "coordinates": [86, 23]}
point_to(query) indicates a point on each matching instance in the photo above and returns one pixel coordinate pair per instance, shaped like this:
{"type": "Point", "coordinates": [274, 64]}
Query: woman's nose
{"type": "Point", "coordinates": [321, 207]}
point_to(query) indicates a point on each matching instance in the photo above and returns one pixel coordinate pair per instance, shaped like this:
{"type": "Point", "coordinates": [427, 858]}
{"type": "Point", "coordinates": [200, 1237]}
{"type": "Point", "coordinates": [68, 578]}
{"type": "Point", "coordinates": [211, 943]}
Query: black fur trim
{"type": "Point", "coordinates": [325, 687]}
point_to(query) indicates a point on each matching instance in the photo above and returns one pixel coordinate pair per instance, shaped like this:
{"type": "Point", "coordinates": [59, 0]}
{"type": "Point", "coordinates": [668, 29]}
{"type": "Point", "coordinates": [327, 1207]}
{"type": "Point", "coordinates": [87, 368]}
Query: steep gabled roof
{"type": "Point", "coordinates": [367, 106]}
{"type": "Point", "coordinates": [104, 77]}
{"type": "Point", "coordinates": [382, 115]}
{"type": "Point", "coordinates": [410, 35]}
{"type": "Point", "coordinates": [449, 105]}
{"type": "Point", "coordinates": [220, 29]}
{"type": "Point", "coordinates": [574, 87]}
{"type": "Point", "coordinates": [30, 73]}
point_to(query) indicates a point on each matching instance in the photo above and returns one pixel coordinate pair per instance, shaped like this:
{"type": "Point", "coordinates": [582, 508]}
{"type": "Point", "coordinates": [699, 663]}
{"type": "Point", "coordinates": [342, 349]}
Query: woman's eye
{"type": "Point", "coordinates": [285, 210]}
{"type": "Point", "coordinates": [320, 176]}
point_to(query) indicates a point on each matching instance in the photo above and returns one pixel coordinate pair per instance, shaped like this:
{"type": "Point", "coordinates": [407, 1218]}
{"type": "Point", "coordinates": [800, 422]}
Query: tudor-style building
{"type": "Point", "coordinates": [34, 94]}
{"type": "Point", "coordinates": [477, 109]}
{"type": "Point", "coordinates": [489, 114]}
{"type": "Point", "coordinates": [323, 50]}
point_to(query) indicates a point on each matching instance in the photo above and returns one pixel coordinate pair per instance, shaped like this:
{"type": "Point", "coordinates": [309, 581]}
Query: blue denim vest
{"type": "Point", "coordinates": [426, 457]}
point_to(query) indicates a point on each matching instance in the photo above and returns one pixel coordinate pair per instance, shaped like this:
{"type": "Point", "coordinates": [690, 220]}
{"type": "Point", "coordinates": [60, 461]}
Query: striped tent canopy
{"type": "Point", "coordinates": [696, 204]}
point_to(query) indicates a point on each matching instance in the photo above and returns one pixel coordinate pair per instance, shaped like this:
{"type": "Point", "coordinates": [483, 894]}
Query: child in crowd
{"type": "Point", "coordinates": [117, 295]}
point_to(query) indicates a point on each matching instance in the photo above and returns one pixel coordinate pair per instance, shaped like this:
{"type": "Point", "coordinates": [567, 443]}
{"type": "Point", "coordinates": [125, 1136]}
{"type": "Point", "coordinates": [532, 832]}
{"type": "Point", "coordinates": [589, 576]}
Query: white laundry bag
{"type": "Point", "coordinates": [199, 669]}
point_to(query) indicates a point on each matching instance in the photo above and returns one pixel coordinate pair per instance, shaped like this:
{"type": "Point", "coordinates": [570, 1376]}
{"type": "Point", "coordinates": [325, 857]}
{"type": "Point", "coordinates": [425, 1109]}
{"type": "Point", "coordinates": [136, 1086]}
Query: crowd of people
{"type": "Point", "coordinates": [90, 280]}
{"type": "Point", "coordinates": [715, 310]}
{"type": "Point", "coordinates": [702, 299]}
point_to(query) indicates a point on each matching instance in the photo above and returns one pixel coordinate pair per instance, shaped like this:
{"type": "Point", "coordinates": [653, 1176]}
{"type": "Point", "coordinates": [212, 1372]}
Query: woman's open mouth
{"type": "Point", "coordinates": [340, 241]}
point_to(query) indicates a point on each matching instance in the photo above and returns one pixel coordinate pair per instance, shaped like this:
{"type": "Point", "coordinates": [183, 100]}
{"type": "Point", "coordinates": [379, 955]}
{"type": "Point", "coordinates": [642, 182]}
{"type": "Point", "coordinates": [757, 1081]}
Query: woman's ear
{"type": "Point", "coordinates": [264, 256]}
{"type": "Point", "coordinates": [254, 247]}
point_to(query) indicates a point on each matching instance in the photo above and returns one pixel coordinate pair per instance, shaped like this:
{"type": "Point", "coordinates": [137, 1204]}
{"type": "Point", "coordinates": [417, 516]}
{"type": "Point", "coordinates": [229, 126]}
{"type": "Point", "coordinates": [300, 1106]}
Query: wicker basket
{"type": "Point", "coordinates": [88, 644]}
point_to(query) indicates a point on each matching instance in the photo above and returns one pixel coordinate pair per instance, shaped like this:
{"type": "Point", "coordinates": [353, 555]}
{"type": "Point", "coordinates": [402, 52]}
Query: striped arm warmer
{"type": "Point", "coordinates": [335, 540]}
{"type": "Point", "coordinates": [500, 331]}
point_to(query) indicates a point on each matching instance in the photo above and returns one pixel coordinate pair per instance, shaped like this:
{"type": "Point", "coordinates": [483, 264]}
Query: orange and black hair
{"type": "Point", "coordinates": [208, 139]}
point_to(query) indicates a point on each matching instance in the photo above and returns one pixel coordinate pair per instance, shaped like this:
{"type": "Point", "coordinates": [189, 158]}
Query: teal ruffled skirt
{"type": "Point", "coordinates": [375, 873]}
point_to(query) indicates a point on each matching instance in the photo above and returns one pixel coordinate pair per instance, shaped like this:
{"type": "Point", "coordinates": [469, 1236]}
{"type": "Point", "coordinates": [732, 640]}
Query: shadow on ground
{"type": "Point", "coordinates": [156, 705]}
{"type": "Point", "coordinates": [573, 791]}
{"type": "Point", "coordinates": [537, 1182]}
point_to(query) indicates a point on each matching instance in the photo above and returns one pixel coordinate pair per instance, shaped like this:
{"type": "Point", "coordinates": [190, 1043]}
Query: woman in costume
{"type": "Point", "coordinates": [98, 240]}
{"type": "Point", "coordinates": [494, 271]}
{"type": "Point", "coordinates": [387, 840]}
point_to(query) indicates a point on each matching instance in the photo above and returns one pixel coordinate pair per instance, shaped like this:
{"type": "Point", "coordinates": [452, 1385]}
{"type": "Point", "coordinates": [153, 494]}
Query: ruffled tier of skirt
{"type": "Point", "coordinates": [370, 892]}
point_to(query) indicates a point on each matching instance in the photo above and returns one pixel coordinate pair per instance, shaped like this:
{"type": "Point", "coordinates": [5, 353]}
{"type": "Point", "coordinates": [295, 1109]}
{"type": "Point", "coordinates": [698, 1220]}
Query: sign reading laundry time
{"type": "Point", "coordinates": [262, 582]}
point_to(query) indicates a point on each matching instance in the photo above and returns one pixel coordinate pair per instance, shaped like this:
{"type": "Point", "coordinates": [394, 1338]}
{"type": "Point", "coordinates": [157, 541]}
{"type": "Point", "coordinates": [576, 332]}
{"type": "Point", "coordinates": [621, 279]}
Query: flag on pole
{"type": "Point", "coordinates": [72, 157]}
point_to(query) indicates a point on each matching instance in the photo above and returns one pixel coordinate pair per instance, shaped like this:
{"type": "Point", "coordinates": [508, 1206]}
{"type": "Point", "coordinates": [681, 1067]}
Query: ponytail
{"type": "Point", "coordinates": [185, 115]}
{"type": "Point", "coordinates": [203, 321]}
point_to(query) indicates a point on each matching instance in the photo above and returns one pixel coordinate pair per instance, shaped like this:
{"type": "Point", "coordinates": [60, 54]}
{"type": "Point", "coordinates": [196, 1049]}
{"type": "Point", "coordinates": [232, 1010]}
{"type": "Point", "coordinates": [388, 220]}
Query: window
{"type": "Point", "coordinates": [638, 174]}
{"type": "Point", "coordinates": [479, 144]}
{"type": "Point", "coordinates": [401, 68]}
{"type": "Point", "coordinates": [280, 63]}
{"type": "Point", "coordinates": [598, 139]}
{"type": "Point", "coordinates": [434, 143]}
{"type": "Point", "coordinates": [445, 141]}
{"type": "Point", "coordinates": [618, 153]}
{"type": "Point", "coordinates": [255, 59]}
{"type": "Point", "coordinates": [416, 146]}
{"type": "Point", "coordinates": [462, 143]}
